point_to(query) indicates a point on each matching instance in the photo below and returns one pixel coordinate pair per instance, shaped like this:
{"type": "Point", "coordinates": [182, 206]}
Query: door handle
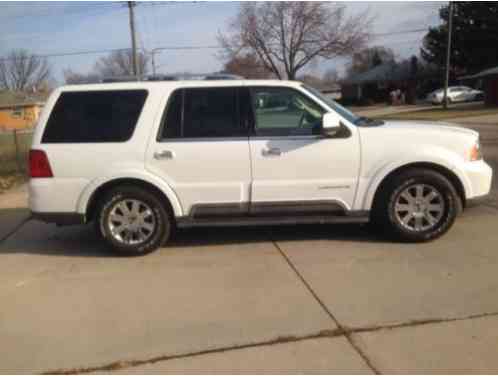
{"type": "Point", "coordinates": [165, 154]}
{"type": "Point", "coordinates": [271, 152]}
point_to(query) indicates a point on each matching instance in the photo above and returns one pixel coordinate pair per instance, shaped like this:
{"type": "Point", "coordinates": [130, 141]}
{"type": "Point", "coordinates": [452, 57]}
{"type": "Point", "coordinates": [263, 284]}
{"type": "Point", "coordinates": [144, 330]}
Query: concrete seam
{"type": "Point", "coordinates": [414, 323]}
{"type": "Point", "coordinates": [117, 365]}
{"type": "Point", "coordinates": [347, 334]}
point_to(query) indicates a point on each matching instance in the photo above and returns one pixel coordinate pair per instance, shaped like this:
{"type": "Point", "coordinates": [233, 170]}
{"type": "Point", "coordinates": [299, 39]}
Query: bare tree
{"type": "Point", "coordinates": [286, 36]}
{"type": "Point", "coordinates": [120, 63]}
{"type": "Point", "coordinates": [20, 70]}
{"type": "Point", "coordinates": [330, 77]}
{"type": "Point", "coordinates": [73, 78]}
{"type": "Point", "coordinates": [369, 58]}
{"type": "Point", "coordinates": [247, 66]}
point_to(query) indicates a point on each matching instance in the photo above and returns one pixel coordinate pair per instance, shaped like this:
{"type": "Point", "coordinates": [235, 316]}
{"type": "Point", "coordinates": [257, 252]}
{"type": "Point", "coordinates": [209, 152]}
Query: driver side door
{"type": "Point", "coordinates": [295, 168]}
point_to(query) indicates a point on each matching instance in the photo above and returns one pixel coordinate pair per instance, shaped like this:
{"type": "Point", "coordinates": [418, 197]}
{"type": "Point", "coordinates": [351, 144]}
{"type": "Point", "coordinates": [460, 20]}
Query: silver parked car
{"type": "Point", "coordinates": [455, 94]}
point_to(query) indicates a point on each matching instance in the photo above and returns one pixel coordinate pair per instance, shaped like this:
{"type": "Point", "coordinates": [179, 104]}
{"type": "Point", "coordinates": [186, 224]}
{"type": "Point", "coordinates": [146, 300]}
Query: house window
{"type": "Point", "coordinates": [17, 112]}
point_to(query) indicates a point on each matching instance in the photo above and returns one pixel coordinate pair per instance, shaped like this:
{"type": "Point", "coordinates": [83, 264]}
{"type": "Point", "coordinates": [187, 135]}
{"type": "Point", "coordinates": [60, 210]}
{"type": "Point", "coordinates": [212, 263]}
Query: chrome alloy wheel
{"type": "Point", "coordinates": [419, 207]}
{"type": "Point", "coordinates": [131, 221]}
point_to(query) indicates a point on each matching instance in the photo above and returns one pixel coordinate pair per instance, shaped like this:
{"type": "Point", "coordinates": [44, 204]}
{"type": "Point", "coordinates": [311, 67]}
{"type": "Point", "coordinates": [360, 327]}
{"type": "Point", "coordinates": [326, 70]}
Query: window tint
{"type": "Point", "coordinates": [211, 113]}
{"type": "Point", "coordinates": [203, 112]}
{"type": "Point", "coordinates": [172, 123]}
{"type": "Point", "coordinates": [285, 112]}
{"type": "Point", "coordinates": [94, 116]}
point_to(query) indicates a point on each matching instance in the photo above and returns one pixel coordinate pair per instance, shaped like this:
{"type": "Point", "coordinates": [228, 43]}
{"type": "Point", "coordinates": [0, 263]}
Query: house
{"type": "Point", "coordinates": [488, 80]}
{"type": "Point", "coordinates": [19, 110]}
{"type": "Point", "coordinates": [375, 84]}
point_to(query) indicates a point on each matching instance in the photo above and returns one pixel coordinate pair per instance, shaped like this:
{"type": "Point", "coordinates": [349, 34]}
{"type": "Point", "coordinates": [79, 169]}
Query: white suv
{"type": "Point", "coordinates": [142, 158]}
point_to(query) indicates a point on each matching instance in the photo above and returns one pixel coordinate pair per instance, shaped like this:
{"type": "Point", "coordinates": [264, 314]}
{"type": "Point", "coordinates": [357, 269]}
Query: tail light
{"type": "Point", "coordinates": [39, 166]}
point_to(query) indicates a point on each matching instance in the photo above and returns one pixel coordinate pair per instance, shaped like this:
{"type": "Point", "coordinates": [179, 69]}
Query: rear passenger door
{"type": "Point", "coordinates": [202, 151]}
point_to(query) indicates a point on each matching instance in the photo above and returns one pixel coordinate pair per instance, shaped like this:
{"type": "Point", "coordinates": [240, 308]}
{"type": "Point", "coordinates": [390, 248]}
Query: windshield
{"type": "Point", "coordinates": [344, 112]}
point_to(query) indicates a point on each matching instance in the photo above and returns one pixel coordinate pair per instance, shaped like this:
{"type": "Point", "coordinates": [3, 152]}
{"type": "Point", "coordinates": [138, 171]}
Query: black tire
{"type": "Point", "coordinates": [162, 219]}
{"type": "Point", "coordinates": [384, 214]}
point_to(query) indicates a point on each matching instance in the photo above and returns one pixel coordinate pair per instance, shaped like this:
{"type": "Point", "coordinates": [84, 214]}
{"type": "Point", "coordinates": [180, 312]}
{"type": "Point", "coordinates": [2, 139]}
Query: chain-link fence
{"type": "Point", "coordinates": [14, 148]}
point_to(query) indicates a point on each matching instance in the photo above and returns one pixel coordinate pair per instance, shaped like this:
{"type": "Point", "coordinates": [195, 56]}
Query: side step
{"type": "Point", "coordinates": [266, 221]}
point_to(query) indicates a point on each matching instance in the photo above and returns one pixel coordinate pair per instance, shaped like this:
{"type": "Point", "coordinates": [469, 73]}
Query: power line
{"type": "Point", "coordinates": [93, 52]}
{"type": "Point", "coordinates": [172, 48]}
{"type": "Point", "coordinates": [400, 32]}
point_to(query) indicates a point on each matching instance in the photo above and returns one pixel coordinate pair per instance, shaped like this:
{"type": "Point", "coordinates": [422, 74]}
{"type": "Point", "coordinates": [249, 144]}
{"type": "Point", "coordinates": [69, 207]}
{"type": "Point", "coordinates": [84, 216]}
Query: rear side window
{"type": "Point", "coordinates": [94, 116]}
{"type": "Point", "coordinates": [202, 113]}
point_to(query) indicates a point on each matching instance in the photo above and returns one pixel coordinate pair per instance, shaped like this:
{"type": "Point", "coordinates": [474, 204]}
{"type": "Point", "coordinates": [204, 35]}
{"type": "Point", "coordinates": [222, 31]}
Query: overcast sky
{"type": "Point", "coordinates": [46, 28]}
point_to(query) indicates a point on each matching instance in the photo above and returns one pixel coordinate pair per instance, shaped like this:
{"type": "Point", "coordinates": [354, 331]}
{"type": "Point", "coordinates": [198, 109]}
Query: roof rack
{"type": "Point", "coordinates": [121, 79]}
{"type": "Point", "coordinates": [173, 77]}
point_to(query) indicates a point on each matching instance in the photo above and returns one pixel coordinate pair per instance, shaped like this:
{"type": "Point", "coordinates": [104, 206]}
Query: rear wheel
{"type": "Point", "coordinates": [417, 205]}
{"type": "Point", "coordinates": [133, 221]}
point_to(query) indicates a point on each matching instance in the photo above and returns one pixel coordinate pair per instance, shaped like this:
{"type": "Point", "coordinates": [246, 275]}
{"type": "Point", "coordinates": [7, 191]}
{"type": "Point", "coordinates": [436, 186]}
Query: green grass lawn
{"type": "Point", "coordinates": [442, 114]}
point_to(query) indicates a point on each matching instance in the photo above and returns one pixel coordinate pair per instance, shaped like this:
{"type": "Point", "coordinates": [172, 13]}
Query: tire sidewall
{"type": "Point", "coordinates": [450, 202]}
{"type": "Point", "coordinates": [161, 232]}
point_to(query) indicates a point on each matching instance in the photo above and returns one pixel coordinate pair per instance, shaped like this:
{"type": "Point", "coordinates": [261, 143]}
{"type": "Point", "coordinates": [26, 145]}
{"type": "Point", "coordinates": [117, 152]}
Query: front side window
{"type": "Point", "coordinates": [285, 112]}
{"type": "Point", "coordinates": [94, 116]}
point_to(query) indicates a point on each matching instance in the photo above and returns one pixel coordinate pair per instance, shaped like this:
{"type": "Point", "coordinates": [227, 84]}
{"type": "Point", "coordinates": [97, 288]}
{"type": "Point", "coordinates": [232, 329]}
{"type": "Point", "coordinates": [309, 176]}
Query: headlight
{"type": "Point", "coordinates": [475, 152]}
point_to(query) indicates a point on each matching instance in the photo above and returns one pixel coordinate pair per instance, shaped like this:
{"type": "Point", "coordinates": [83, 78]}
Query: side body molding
{"type": "Point", "coordinates": [130, 174]}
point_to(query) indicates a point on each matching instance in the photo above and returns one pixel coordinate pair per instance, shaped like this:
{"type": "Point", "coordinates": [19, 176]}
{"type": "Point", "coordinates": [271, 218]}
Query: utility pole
{"type": "Point", "coordinates": [131, 5]}
{"type": "Point", "coordinates": [153, 55]}
{"type": "Point", "coordinates": [448, 55]}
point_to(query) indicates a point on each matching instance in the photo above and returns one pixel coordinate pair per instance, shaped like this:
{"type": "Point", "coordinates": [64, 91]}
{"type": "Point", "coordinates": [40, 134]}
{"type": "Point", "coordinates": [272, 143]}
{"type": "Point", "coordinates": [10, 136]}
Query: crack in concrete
{"type": "Point", "coordinates": [121, 364]}
{"type": "Point", "coordinates": [419, 322]}
{"type": "Point", "coordinates": [342, 329]}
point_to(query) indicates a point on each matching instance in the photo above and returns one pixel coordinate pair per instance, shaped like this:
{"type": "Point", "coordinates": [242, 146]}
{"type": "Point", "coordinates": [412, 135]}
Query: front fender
{"type": "Point", "coordinates": [87, 193]}
{"type": "Point", "coordinates": [440, 157]}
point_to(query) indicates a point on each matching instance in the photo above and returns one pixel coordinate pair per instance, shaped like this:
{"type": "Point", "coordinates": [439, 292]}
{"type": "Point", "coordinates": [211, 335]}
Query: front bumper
{"type": "Point", "coordinates": [480, 176]}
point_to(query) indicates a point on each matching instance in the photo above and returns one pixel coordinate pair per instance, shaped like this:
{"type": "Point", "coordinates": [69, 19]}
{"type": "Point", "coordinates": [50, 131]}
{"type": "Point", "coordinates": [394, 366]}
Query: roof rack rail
{"type": "Point", "coordinates": [121, 79]}
{"type": "Point", "coordinates": [223, 76]}
{"type": "Point", "coordinates": [173, 77]}
{"type": "Point", "coordinates": [194, 76]}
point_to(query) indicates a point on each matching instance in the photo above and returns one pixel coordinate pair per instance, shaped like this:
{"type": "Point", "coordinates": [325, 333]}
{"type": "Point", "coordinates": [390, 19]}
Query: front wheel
{"type": "Point", "coordinates": [133, 221]}
{"type": "Point", "coordinates": [417, 205]}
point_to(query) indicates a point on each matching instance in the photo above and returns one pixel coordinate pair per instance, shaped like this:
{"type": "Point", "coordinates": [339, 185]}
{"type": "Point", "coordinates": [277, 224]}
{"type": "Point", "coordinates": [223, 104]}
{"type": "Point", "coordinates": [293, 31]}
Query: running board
{"type": "Point", "coordinates": [257, 221]}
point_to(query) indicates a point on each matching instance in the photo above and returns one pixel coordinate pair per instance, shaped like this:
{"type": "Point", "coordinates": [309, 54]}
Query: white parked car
{"type": "Point", "coordinates": [140, 159]}
{"type": "Point", "coordinates": [455, 94]}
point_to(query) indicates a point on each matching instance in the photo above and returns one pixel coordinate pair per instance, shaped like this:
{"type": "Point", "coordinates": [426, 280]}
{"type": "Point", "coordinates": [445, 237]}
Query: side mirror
{"type": "Point", "coordinates": [331, 124]}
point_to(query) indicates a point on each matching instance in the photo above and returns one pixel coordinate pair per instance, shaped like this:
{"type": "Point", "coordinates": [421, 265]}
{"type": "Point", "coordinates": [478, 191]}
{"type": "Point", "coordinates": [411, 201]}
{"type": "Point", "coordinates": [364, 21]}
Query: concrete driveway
{"type": "Point", "coordinates": [312, 299]}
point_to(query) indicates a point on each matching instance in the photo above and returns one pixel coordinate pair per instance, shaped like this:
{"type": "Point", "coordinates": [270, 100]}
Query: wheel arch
{"type": "Point", "coordinates": [451, 175]}
{"type": "Point", "coordinates": [90, 198]}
